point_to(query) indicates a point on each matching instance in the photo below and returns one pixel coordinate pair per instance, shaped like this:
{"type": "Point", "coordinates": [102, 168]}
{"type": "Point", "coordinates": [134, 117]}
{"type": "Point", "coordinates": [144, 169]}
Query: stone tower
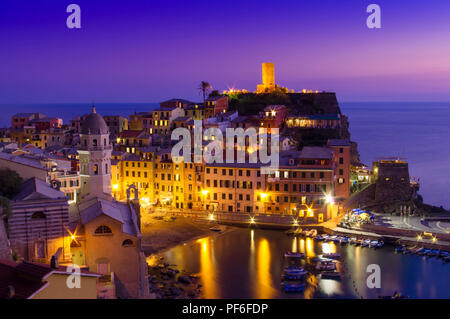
{"type": "Point", "coordinates": [268, 78]}
{"type": "Point", "coordinates": [95, 156]}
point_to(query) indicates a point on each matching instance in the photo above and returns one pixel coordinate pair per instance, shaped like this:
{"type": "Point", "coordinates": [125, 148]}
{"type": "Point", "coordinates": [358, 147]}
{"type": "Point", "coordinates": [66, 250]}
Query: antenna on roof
{"type": "Point", "coordinates": [93, 107]}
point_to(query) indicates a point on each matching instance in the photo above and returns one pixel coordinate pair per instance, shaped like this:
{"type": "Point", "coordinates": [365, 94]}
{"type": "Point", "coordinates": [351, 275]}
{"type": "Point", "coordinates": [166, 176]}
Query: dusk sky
{"type": "Point", "coordinates": [148, 51]}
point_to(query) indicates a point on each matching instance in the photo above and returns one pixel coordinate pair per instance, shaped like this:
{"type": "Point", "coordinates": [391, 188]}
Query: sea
{"type": "Point", "coordinates": [418, 132]}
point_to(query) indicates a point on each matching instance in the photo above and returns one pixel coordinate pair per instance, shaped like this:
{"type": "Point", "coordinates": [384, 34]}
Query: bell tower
{"type": "Point", "coordinates": [95, 156]}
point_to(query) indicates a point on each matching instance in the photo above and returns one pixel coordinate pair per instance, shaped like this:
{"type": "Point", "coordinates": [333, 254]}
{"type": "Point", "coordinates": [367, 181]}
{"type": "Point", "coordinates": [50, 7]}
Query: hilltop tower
{"type": "Point", "coordinates": [268, 78]}
{"type": "Point", "coordinates": [95, 156]}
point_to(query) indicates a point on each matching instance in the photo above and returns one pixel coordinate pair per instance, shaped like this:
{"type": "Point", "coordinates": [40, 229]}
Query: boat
{"type": "Point", "coordinates": [446, 259]}
{"type": "Point", "coordinates": [343, 240]}
{"type": "Point", "coordinates": [312, 233]}
{"type": "Point", "coordinates": [365, 243]}
{"type": "Point", "coordinates": [293, 287]}
{"type": "Point", "coordinates": [331, 275]}
{"type": "Point", "coordinates": [373, 243]}
{"type": "Point", "coordinates": [216, 228]}
{"type": "Point", "coordinates": [435, 253]}
{"type": "Point", "coordinates": [353, 241]}
{"type": "Point", "coordinates": [325, 265]}
{"type": "Point", "coordinates": [379, 244]}
{"type": "Point", "coordinates": [399, 249]}
{"type": "Point", "coordinates": [423, 252]}
{"type": "Point", "coordinates": [444, 254]}
{"type": "Point", "coordinates": [294, 268]}
{"type": "Point", "coordinates": [332, 256]}
{"type": "Point", "coordinates": [319, 238]}
{"type": "Point", "coordinates": [293, 255]}
{"type": "Point", "coordinates": [294, 274]}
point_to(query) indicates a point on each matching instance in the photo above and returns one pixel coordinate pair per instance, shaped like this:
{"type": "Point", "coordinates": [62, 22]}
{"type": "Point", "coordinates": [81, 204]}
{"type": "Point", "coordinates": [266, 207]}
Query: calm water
{"type": "Point", "coordinates": [420, 132]}
{"type": "Point", "coordinates": [248, 263]}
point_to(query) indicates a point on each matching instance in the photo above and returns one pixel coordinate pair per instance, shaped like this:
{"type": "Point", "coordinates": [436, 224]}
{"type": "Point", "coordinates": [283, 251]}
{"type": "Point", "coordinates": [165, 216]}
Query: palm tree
{"type": "Point", "coordinates": [205, 88]}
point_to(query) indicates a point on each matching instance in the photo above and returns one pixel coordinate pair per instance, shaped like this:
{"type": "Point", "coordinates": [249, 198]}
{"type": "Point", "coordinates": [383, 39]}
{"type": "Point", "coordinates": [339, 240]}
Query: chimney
{"type": "Point", "coordinates": [54, 262]}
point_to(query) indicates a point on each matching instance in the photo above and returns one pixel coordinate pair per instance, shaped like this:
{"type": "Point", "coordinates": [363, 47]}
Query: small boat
{"type": "Point", "coordinates": [444, 254]}
{"type": "Point", "coordinates": [293, 255]}
{"type": "Point", "coordinates": [332, 256]}
{"type": "Point", "coordinates": [293, 287]}
{"type": "Point", "coordinates": [325, 265]}
{"type": "Point", "coordinates": [319, 238]}
{"type": "Point", "coordinates": [446, 259]}
{"type": "Point", "coordinates": [399, 249]}
{"type": "Point", "coordinates": [216, 228]}
{"type": "Point", "coordinates": [373, 243]}
{"type": "Point", "coordinates": [294, 268]}
{"type": "Point", "coordinates": [353, 241]}
{"type": "Point", "coordinates": [312, 233]}
{"type": "Point", "coordinates": [331, 275]}
{"type": "Point", "coordinates": [294, 274]}
{"type": "Point", "coordinates": [365, 243]}
{"type": "Point", "coordinates": [424, 252]}
{"type": "Point", "coordinates": [343, 241]}
{"type": "Point", "coordinates": [435, 253]}
{"type": "Point", "coordinates": [380, 244]}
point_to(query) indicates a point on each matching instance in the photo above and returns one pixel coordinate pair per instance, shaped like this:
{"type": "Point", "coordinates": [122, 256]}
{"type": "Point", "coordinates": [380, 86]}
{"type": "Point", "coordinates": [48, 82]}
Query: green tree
{"type": "Point", "coordinates": [10, 183]}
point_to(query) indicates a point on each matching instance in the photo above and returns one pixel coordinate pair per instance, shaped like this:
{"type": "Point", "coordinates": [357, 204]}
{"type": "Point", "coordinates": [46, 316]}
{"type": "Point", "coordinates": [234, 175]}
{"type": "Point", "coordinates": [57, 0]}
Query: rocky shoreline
{"type": "Point", "coordinates": [167, 282]}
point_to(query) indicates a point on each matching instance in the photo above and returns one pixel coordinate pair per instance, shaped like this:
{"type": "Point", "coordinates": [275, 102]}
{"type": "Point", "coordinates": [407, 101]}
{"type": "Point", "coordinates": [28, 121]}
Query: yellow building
{"type": "Point", "coordinates": [29, 280]}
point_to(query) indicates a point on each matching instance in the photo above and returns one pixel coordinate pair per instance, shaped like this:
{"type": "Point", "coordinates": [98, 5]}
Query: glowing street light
{"type": "Point", "coordinates": [211, 217]}
{"type": "Point", "coordinates": [263, 195]}
{"type": "Point", "coordinates": [252, 220]}
{"type": "Point", "coordinates": [205, 192]}
{"type": "Point", "coordinates": [328, 199]}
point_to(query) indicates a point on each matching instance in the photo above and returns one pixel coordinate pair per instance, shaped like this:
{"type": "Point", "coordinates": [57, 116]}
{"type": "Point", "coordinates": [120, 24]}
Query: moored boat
{"type": "Point", "coordinates": [331, 275]}
{"type": "Point", "coordinates": [293, 255]}
{"type": "Point", "coordinates": [365, 243]}
{"type": "Point", "coordinates": [325, 265]}
{"type": "Point", "coordinates": [293, 287]}
{"type": "Point", "coordinates": [332, 255]}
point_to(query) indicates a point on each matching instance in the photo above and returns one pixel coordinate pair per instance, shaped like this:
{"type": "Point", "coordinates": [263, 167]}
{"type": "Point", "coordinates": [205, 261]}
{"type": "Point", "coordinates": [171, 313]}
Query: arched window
{"type": "Point", "coordinates": [96, 169]}
{"type": "Point", "coordinates": [127, 243]}
{"type": "Point", "coordinates": [106, 168]}
{"type": "Point", "coordinates": [103, 230]}
{"type": "Point", "coordinates": [38, 215]}
{"type": "Point", "coordinates": [85, 142]}
{"type": "Point", "coordinates": [104, 141]}
{"type": "Point", "coordinates": [94, 142]}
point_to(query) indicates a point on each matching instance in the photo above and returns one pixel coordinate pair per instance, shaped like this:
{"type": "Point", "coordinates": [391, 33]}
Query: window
{"type": "Point", "coordinates": [127, 243]}
{"type": "Point", "coordinates": [95, 169]}
{"type": "Point", "coordinates": [341, 160]}
{"type": "Point", "coordinates": [103, 230]}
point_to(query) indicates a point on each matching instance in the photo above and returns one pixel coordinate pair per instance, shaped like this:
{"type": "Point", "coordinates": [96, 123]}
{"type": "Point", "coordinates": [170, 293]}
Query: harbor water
{"type": "Point", "coordinates": [249, 263]}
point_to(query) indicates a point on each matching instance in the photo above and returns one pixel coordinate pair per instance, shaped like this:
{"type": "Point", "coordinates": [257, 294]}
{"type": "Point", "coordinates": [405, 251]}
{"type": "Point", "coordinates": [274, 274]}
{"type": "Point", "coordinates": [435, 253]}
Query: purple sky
{"type": "Point", "coordinates": [148, 51]}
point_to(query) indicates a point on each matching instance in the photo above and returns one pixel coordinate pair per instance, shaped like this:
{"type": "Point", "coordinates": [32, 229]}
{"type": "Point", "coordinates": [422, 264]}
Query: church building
{"type": "Point", "coordinates": [106, 233]}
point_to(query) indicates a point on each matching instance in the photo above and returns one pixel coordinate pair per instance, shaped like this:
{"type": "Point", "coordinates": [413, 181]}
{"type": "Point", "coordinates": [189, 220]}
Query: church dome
{"type": "Point", "coordinates": [94, 124]}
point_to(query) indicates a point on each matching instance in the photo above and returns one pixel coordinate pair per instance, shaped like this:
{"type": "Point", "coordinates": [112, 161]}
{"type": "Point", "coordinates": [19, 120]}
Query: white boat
{"type": "Point", "coordinates": [365, 243]}
{"type": "Point", "coordinates": [373, 243]}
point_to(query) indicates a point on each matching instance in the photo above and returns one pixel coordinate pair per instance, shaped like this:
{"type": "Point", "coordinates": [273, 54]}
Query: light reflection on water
{"type": "Point", "coordinates": [247, 263]}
